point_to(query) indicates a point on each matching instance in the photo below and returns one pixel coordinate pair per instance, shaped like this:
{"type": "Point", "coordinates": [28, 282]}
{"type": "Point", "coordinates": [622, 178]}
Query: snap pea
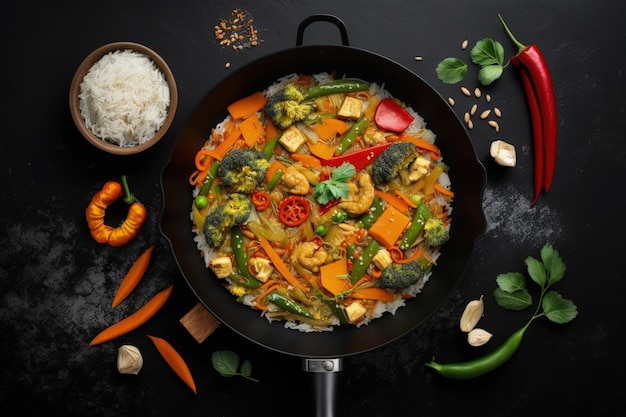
{"type": "Point", "coordinates": [348, 139]}
{"type": "Point", "coordinates": [483, 364]}
{"type": "Point", "coordinates": [339, 311]}
{"type": "Point", "coordinates": [337, 86]}
{"type": "Point", "coordinates": [376, 209]}
{"type": "Point", "coordinates": [288, 305]}
{"type": "Point", "coordinates": [210, 176]}
{"type": "Point", "coordinates": [274, 180]}
{"type": "Point", "coordinates": [339, 216]}
{"type": "Point", "coordinates": [244, 278]}
{"type": "Point", "coordinates": [363, 261]}
{"type": "Point", "coordinates": [268, 149]}
{"type": "Point", "coordinates": [422, 213]}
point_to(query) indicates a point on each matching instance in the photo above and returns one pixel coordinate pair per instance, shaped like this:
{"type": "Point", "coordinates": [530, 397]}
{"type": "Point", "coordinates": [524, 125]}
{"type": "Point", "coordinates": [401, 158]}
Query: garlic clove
{"type": "Point", "coordinates": [478, 337]}
{"type": "Point", "coordinates": [129, 360]}
{"type": "Point", "coordinates": [503, 153]}
{"type": "Point", "coordinates": [472, 314]}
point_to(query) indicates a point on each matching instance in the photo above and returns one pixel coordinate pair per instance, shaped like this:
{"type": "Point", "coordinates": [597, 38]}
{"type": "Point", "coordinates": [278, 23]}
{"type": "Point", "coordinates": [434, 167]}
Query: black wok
{"type": "Point", "coordinates": [323, 351]}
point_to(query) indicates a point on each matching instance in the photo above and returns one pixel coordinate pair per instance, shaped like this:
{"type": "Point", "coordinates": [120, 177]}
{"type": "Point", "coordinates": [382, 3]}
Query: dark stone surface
{"type": "Point", "coordinates": [56, 283]}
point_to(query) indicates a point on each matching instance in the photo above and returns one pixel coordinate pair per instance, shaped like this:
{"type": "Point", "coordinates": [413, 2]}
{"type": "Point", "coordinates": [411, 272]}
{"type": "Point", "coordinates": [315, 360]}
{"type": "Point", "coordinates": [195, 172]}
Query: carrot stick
{"type": "Point", "coordinates": [421, 143]}
{"type": "Point", "coordinates": [280, 265]}
{"type": "Point", "coordinates": [406, 198]}
{"type": "Point", "coordinates": [135, 320]}
{"type": "Point", "coordinates": [257, 300]}
{"type": "Point", "coordinates": [174, 360]}
{"type": "Point", "coordinates": [133, 276]}
{"type": "Point", "coordinates": [307, 160]}
{"type": "Point", "coordinates": [373, 293]}
{"type": "Point", "coordinates": [443, 190]}
{"type": "Point", "coordinates": [397, 202]}
{"type": "Point", "coordinates": [227, 144]}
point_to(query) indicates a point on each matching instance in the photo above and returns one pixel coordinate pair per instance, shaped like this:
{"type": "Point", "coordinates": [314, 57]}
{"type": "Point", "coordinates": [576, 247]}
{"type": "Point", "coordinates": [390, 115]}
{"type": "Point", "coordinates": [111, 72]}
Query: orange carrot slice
{"type": "Point", "coordinates": [175, 361]}
{"type": "Point", "coordinates": [247, 106]}
{"type": "Point", "coordinates": [133, 276]}
{"type": "Point", "coordinates": [280, 265]}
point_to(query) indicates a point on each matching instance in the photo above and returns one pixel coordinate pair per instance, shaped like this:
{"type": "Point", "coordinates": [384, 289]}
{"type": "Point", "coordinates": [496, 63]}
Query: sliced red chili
{"type": "Point", "coordinates": [294, 210]}
{"type": "Point", "coordinates": [260, 199]}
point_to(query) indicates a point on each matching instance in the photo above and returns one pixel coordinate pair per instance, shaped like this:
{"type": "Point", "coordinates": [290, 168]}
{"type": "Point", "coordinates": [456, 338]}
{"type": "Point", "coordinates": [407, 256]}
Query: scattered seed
{"type": "Point", "coordinates": [473, 110]}
{"type": "Point", "coordinates": [451, 101]}
{"type": "Point", "coordinates": [497, 112]}
{"type": "Point", "coordinates": [470, 124]}
{"type": "Point", "coordinates": [488, 98]}
{"type": "Point", "coordinates": [485, 114]}
{"type": "Point", "coordinates": [477, 92]}
{"type": "Point", "coordinates": [466, 117]}
{"type": "Point", "coordinates": [464, 44]}
{"type": "Point", "coordinates": [494, 124]}
{"type": "Point", "coordinates": [227, 65]}
{"type": "Point", "coordinates": [465, 91]}
{"type": "Point", "coordinates": [418, 58]}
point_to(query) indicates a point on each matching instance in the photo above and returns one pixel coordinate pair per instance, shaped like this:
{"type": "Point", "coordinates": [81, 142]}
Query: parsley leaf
{"type": "Point", "coordinates": [451, 70]}
{"type": "Point", "coordinates": [226, 362]}
{"type": "Point", "coordinates": [487, 52]}
{"type": "Point", "coordinates": [335, 187]}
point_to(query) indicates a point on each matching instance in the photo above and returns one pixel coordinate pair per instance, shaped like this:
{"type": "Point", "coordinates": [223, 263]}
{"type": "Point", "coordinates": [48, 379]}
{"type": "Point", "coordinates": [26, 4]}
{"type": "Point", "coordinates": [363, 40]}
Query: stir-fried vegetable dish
{"type": "Point", "coordinates": [316, 206]}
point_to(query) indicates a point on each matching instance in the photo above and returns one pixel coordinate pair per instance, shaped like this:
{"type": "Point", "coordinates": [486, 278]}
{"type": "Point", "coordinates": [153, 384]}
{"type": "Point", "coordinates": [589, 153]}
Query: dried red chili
{"type": "Point", "coordinates": [541, 100]}
{"type": "Point", "coordinates": [294, 210]}
{"type": "Point", "coordinates": [260, 199]}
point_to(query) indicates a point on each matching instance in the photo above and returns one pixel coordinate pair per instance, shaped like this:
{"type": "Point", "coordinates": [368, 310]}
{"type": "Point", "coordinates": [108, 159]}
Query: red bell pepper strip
{"type": "Point", "coordinates": [360, 159]}
{"type": "Point", "coordinates": [533, 62]}
{"type": "Point", "coordinates": [392, 116]}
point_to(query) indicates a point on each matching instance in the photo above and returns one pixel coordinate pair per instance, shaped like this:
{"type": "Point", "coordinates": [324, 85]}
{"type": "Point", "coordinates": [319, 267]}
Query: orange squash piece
{"type": "Point", "coordinates": [329, 128]}
{"type": "Point", "coordinates": [334, 276]}
{"type": "Point", "coordinates": [251, 130]}
{"type": "Point", "coordinates": [388, 228]}
{"type": "Point", "coordinates": [247, 106]}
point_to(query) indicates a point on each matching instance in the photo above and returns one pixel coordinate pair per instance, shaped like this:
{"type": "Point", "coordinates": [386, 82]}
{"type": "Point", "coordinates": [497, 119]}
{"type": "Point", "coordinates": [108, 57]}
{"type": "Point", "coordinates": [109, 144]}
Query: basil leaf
{"type": "Point", "coordinates": [246, 368]}
{"type": "Point", "coordinates": [487, 52]}
{"type": "Point", "coordinates": [490, 73]}
{"type": "Point", "coordinates": [225, 362]}
{"type": "Point", "coordinates": [451, 70]}
{"type": "Point", "coordinates": [557, 309]}
{"type": "Point", "coordinates": [517, 300]}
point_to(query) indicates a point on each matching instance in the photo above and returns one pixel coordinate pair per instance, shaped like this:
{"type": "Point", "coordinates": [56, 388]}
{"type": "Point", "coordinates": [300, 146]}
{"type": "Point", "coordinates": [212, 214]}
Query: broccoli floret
{"type": "Point", "coordinates": [285, 107]}
{"type": "Point", "coordinates": [243, 169]}
{"type": "Point", "coordinates": [435, 232]}
{"type": "Point", "coordinates": [218, 222]}
{"type": "Point", "coordinates": [400, 276]}
{"type": "Point", "coordinates": [396, 157]}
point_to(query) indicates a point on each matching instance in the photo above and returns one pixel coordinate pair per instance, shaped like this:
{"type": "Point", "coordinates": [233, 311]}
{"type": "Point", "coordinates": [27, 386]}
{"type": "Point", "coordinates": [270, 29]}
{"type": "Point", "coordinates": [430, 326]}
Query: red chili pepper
{"type": "Point", "coordinates": [323, 208]}
{"type": "Point", "coordinates": [260, 199]}
{"type": "Point", "coordinates": [542, 102]}
{"type": "Point", "coordinates": [294, 210]}
{"type": "Point", "coordinates": [537, 125]}
{"type": "Point", "coordinates": [392, 116]}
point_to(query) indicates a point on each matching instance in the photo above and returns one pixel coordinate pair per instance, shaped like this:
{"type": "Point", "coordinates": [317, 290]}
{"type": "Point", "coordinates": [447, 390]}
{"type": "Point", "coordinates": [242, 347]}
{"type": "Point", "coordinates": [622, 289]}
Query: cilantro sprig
{"type": "Point", "coordinates": [335, 187]}
{"type": "Point", "coordinates": [487, 53]}
{"type": "Point", "coordinates": [512, 293]}
{"type": "Point", "coordinates": [226, 362]}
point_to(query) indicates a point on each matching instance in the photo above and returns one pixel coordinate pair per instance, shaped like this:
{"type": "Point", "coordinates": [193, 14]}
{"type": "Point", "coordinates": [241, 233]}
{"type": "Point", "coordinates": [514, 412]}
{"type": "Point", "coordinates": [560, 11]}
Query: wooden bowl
{"type": "Point", "coordinates": [75, 90]}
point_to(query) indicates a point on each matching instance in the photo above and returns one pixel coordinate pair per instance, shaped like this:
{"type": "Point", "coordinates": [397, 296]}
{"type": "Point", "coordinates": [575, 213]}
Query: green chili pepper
{"type": "Point", "coordinates": [274, 180]}
{"type": "Point", "coordinates": [348, 139]}
{"type": "Point", "coordinates": [338, 86]}
{"type": "Point", "coordinates": [268, 149]}
{"type": "Point", "coordinates": [288, 305]}
{"type": "Point", "coordinates": [241, 259]}
{"type": "Point", "coordinates": [376, 209]}
{"type": "Point", "coordinates": [363, 261]}
{"type": "Point", "coordinates": [483, 364]}
{"type": "Point", "coordinates": [422, 213]}
{"type": "Point", "coordinates": [339, 216]}
{"type": "Point", "coordinates": [210, 176]}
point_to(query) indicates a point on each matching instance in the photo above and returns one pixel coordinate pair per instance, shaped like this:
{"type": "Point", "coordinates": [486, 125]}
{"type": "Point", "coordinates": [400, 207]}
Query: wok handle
{"type": "Point", "coordinates": [324, 383]}
{"type": "Point", "coordinates": [323, 18]}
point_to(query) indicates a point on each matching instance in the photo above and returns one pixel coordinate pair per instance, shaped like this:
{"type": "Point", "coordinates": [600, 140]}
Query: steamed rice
{"type": "Point", "coordinates": [124, 98]}
{"type": "Point", "coordinates": [273, 313]}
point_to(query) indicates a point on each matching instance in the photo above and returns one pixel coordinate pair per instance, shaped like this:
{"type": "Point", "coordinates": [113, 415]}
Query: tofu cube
{"type": "Point", "coordinates": [355, 310]}
{"type": "Point", "coordinates": [382, 259]}
{"type": "Point", "coordinates": [222, 266]}
{"type": "Point", "coordinates": [351, 108]}
{"type": "Point", "coordinates": [261, 268]}
{"type": "Point", "coordinates": [292, 139]}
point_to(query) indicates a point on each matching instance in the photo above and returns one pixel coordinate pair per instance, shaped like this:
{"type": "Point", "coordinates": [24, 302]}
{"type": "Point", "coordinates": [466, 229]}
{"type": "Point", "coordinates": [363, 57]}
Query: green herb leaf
{"type": "Point", "coordinates": [226, 362]}
{"type": "Point", "coordinates": [558, 309]}
{"type": "Point", "coordinates": [511, 281]}
{"type": "Point", "coordinates": [536, 270]}
{"type": "Point", "coordinates": [516, 300]}
{"type": "Point", "coordinates": [451, 70]}
{"type": "Point", "coordinates": [343, 172]}
{"type": "Point", "coordinates": [487, 52]}
{"type": "Point", "coordinates": [490, 73]}
{"type": "Point", "coordinates": [554, 264]}
{"type": "Point", "coordinates": [335, 187]}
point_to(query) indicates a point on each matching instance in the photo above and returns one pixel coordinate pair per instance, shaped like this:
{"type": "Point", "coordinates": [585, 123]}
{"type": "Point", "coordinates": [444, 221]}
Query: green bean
{"type": "Point", "coordinates": [337, 86]}
{"type": "Point", "coordinates": [245, 278]}
{"type": "Point", "coordinates": [376, 209]}
{"type": "Point", "coordinates": [210, 176]}
{"type": "Point", "coordinates": [422, 213]}
{"type": "Point", "coordinates": [348, 139]}
{"type": "Point", "coordinates": [288, 304]}
{"type": "Point", "coordinates": [483, 364]}
{"type": "Point", "coordinates": [274, 180]}
{"type": "Point", "coordinates": [363, 261]}
{"type": "Point", "coordinates": [268, 149]}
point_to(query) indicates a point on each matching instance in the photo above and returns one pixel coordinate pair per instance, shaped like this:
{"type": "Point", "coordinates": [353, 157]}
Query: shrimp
{"type": "Point", "coordinates": [310, 255]}
{"type": "Point", "coordinates": [362, 194]}
{"type": "Point", "coordinates": [295, 181]}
